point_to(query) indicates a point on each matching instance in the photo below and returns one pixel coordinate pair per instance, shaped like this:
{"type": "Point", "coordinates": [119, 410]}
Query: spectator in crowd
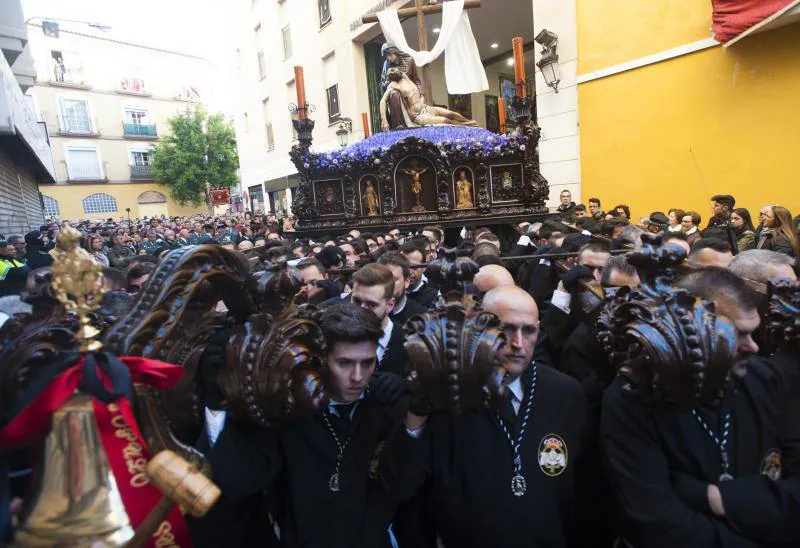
{"type": "Point", "coordinates": [594, 210]}
{"type": "Point", "coordinates": [94, 245]}
{"type": "Point", "coordinates": [19, 247]}
{"type": "Point", "coordinates": [623, 211]}
{"type": "Point", "coordinates": [691, 222]}
{"type": "Point", "coordinates": [762, 265]}
{"type": "Point", "coordinates": [579, 212]}
{"type": "Point", "coordinates": [120, 254]}
{"type": "Point", "coordinates": [778, 232]}
{"type": "Point", "coordinates": [710, 252]}
{"type": "Point", "coordinates": [743, 229]}
{"type": "Point", "coordinates": [36, 254]}
{"type": "Point", "coordinates": [138, 274]}
{"type": "Point", "coordinates": [13, 272]}
{"type": "Point", "coordinates": [721, 207]}
{"type": "Point", "coordinates": [656, 223]}
{"type": "Point", "coordinates": [675, 217]}
{"type": "Point", "coordinates": [567, 207]}
{"type": "Point", "coordinates": [678, 239]}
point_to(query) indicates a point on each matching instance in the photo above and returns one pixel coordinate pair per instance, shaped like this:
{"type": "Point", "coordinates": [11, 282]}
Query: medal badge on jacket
{"type": "Point", "coordinates": [553, 455]}
{"type": "Point", "coordinates": [771, 465]}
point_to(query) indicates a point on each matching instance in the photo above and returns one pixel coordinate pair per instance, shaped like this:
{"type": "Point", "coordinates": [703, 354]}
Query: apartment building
{"type": "Point", "coordinates": [106, 103]}
{"type": "Point", "coordinates": [342, 63]}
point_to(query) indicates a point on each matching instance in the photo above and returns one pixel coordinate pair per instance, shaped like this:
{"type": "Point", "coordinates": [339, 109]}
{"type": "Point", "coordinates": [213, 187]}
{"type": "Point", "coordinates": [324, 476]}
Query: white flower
{"type": "Point", "coordinates": [377, 161]}
{"type": "Point", "coordinates": [522, 147]}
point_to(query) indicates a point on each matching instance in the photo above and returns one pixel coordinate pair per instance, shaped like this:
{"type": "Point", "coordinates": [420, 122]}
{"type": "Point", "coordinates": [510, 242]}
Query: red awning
{"type": "Point", "coordinates": [731, 18]}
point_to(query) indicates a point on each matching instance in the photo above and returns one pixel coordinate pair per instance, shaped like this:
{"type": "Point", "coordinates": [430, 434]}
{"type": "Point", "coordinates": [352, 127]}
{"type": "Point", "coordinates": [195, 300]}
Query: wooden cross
{"type": "Point", "coordinates": [420, 10]}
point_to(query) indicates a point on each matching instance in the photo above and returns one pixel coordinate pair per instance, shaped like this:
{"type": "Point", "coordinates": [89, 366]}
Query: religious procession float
{"type": "Point", "coordinates": [429, 165]}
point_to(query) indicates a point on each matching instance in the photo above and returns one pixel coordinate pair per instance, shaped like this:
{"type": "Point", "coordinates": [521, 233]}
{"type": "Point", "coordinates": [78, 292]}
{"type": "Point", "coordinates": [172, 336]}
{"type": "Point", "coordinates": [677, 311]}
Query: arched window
{"type": "Point", "coordinates": [50, 206]}
{"type": "Point", "coordinates": [151, 197]}
{"type": "Point", "coordinates": [99, 203]}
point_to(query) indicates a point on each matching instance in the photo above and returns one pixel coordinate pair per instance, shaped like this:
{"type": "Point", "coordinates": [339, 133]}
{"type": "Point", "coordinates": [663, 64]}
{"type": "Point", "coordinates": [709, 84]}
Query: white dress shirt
{"type": "Point", "coordinates": [215, 422]}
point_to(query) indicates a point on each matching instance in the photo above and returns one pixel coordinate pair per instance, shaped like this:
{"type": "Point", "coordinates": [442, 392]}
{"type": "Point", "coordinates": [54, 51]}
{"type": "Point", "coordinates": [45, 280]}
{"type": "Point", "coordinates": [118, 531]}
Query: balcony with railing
{"type": "Point", "coordinates": [85, 172]}
{"type": "Point", "coordinates": [140, 131]}
{"type": "Point", "coordinates": [141, 171]}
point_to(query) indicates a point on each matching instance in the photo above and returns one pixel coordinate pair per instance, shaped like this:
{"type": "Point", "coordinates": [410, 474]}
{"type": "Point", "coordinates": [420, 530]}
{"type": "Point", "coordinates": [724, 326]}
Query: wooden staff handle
{"type": "Point", "coordinates": [181, 484]}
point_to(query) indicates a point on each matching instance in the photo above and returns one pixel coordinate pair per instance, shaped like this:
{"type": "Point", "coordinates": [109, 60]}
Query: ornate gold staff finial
{"type": "Point", "coordinates": [78, 284]}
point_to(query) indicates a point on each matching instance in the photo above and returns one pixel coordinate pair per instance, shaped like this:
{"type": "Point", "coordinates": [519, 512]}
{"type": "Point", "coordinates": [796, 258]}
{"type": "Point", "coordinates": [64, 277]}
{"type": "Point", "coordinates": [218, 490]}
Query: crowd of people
{"type": "Point", "coordinates": [566, 462]}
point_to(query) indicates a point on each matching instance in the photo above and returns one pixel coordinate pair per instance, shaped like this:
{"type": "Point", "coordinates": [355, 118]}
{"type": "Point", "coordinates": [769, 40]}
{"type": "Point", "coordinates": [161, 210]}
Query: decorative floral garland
{"type": "Point", "coordinates": [457, 143]}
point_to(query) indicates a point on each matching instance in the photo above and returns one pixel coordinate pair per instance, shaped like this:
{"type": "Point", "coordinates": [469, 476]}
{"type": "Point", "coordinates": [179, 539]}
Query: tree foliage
{"type": "Point", "coordinates": [199, 152]}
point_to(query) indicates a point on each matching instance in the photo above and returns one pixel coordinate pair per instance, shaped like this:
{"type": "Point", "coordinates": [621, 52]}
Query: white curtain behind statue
{"type": "Point", "coordinates": [463, 70]}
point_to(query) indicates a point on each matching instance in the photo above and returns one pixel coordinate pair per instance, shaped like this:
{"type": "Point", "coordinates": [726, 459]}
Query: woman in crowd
{"type": "Point", "coordinates": [623, 210]}
{"type": "Point", "coordinates": [777, 232]}
{"type": "Point", "coordinates": [675, 217]}
{"type": "Point", "coordinates": [690, 222]}
{"type": "Point", "coordinates": [743, 228]}
{"type": "Point", "coordinates": [94, 245]}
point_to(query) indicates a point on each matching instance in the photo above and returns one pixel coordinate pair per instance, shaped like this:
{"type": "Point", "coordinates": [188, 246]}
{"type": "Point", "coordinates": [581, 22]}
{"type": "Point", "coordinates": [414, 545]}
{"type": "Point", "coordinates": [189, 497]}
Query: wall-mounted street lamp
{"type": "Point", "coordinates": [548, 64]}
{"type": "Point", "coordinates": [345, 127]}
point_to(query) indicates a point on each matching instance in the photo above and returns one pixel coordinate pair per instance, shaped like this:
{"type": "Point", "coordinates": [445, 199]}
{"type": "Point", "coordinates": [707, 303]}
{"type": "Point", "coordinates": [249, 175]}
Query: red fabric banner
{"type": "Point", "coordinates": [126, 449]}
{"type": "Point", "coordinates": [730, 19]}
{"type": "Point", "coordinates": [220, 196]}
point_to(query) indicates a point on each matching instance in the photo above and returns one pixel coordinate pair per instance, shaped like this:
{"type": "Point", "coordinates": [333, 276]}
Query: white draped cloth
{"type": "Point", "coordinates": [463, 70]}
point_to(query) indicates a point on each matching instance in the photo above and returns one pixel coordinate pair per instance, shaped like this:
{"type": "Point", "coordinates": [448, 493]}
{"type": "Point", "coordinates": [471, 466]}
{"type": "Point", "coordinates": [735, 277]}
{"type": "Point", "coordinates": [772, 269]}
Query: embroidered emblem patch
{"type": "Point", "coordinates": [553, 455]}
{"type": "Point", "coordinates": [771, 465]}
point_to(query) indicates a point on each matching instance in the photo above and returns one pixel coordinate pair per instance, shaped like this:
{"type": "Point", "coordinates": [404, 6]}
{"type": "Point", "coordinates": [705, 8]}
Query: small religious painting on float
{"type": "Point", "coordinates": [492, 113]}
{"type": "Point", "coordinates": [507, 88]}
{"type": "Point", "coordinates": [461, 104]}
{"type": "Point", "coordinates": [415, 184]}
{"type": "Point", "coordinates": [506, 183]}
{"type": "Point", "coordinates": [462, 188]}
{"type": "Point", "coordinates": [370, 194]}
{"type": "Point", "coordinates": [329, 197]}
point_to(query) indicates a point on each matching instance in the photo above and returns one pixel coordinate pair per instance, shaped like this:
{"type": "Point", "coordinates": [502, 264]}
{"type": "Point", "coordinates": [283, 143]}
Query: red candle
{"type": "Point", "coordinates": [519, 65]}
{"type": "Point", "coordinates": [501, 111]}
{"type": "Point", "coordinates": [300, 86]}
{"type": "Point", "coordinates": [365, 123]}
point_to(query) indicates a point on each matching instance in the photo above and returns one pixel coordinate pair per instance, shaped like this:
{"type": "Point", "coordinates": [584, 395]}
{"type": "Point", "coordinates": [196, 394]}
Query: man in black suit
{"type": "Point", "coordinates": [373, 289]}
{"type": "Point", "coordinates": [404, 307]}
{"type": "Point", "coordinates": [508, 478]}
{"type": "Point", "coordinates": [334, 478]}
{"type": "Point", "coordinates": [420, 289]}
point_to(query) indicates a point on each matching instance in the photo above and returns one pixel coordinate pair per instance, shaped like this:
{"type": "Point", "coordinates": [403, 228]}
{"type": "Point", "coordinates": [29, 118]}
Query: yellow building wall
{"type": "Point", "coordinates": [675, 133]}
{"type": "Point", "coordinates": [70, 206]}
{"type": "Point", "coordinates": [614, 31]}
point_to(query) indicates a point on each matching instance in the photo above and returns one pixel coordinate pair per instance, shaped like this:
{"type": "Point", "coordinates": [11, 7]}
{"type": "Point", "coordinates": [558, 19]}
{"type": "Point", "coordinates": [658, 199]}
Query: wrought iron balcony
{"type": "Point", "coordinates": [85, 172]}
{"type": "Point", "coordinates": [141, 171]}
{"type": "Point", "coordinates": [139, 130]}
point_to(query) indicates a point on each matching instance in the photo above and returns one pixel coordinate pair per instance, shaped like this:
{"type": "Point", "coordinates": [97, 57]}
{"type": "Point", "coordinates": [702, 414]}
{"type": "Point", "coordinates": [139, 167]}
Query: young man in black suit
{"type": "Point", "coordinates": [420, 289]}
{"type": "Point", "coordinates": [373, 289]}
{"type": "Point", "coordinates": [335, 478]}
{"type": "Point", "coordinates": [404, 307]}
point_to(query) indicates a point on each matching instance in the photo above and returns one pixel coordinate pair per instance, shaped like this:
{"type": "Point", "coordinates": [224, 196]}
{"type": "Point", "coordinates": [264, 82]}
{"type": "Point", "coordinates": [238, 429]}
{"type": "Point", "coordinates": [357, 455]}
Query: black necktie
{"type": "Point", "coordinates": [507, 410]}
{"type": "Point", "coordinates": [341, 418]}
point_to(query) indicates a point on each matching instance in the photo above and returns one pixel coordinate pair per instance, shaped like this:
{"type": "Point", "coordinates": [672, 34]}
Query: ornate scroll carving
{"type": "Point", "coordinates": [272, 369]}
{"type": "Point", "coordinates": [454, 360]}
{"type": "Point", "coordinates": [275, 288]}
{"type": "Point", "coordinates": [670, 348]}
{"type": "Point", "coordinates": [783, 315]}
